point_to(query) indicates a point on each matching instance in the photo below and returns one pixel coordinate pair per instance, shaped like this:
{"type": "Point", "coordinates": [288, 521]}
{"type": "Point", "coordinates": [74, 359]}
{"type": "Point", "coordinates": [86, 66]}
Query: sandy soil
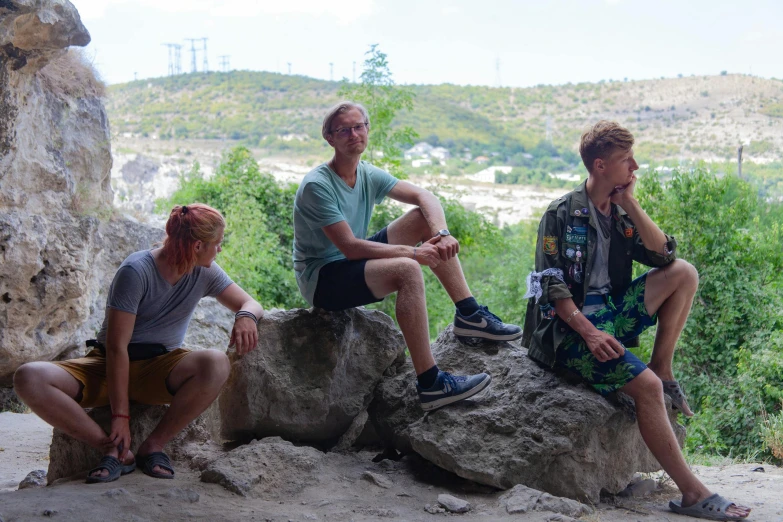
{"type": "Point", "coordinates": [338, 492]}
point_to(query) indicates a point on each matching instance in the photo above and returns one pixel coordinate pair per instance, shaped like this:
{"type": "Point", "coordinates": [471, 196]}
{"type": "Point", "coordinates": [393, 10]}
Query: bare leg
{"type": "Point", "coordinates": [51, 393]}
{"type": "Point", "coordinates": [195, 383]}
{"type": "Point", "coordinates": [410, 229]}
{"type": "Point", "coordinates": [402, 275]}
{"type": "Point", "coordinates": [669, 291]}
{"type": "Point", "coordinates": [647, 392]}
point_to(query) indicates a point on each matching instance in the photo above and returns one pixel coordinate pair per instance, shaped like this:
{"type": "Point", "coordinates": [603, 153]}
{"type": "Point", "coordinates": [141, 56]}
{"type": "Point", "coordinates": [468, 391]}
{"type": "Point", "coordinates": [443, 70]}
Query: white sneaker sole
{"type": "Point", "coordinates": [434, 405]}
{"type": "Point", "coordinates": [465, 332]}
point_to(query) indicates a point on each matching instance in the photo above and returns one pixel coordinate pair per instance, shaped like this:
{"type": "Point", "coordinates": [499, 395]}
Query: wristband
{"type": "Point", "coordinates": [572, 315]}
{"type": "Point", "coordinates": [245, 313]}
{"type": "Point", "coordinates": [118, 416]}
{"type": "Point", "coordinates": [414, 252]}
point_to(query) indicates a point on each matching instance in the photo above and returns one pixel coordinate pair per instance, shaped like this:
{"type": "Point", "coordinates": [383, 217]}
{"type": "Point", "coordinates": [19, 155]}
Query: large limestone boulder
{"type": "Point", "coordinates": [34, 31]}
{"type": "Point", "coordinates": [69, 457]}
{"type": "Point", "coordinates": [531, 427]}
{"type": "Point", "coordinates": [310, 375]}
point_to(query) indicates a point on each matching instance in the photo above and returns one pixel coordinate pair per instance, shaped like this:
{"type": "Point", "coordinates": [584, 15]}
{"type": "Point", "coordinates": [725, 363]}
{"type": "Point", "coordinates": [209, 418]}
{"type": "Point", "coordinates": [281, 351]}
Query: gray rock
{"type": "Point", "coordinates": [68, 457]}
{"type": "Point", "coordinates": [141, 169]}
{"type": "Point", "coordinates": [184, 495]}
{"type": "Point", "coordinates": [453, 504]}
{"type": "Point", "coordinates": [312, 373]}
{"type": "Point", "coordinates": [34, 479]}
{"type": "Point", "coordinates": [32, 32]}
{"type": "Point", "coordinates": [269, 468]}
{"type": "Point", "coordinates": [378, 480]}
{"type": "Point", "coordinates": [532, 427]}
{"type": "Point", "coordinates": [522, 499]}
{"type": "Point", "coordinates": [434, 510]}
{"type": "Point", "coordinates": [640, 488]}
{"type": "Point", "coordinates": [353, 432]}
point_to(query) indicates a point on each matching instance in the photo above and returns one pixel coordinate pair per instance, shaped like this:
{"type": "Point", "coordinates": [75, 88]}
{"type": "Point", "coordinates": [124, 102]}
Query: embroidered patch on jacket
{"type": "Point", "coordinates": [628, 232]}
{"type": "Point", "coordinates": [550, 245]}
{"type": "Point", "coordinates": [579, 239]}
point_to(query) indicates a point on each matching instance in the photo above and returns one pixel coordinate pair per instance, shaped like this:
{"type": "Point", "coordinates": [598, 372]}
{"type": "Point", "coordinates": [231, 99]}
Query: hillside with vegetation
{"type": "Point", "coordinates": [675, 120]}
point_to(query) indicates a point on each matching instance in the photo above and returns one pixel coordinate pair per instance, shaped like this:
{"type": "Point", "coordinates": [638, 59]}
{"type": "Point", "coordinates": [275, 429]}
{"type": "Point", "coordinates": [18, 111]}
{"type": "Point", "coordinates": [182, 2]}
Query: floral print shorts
{"type": "Point", "coordinates": [624, 321]}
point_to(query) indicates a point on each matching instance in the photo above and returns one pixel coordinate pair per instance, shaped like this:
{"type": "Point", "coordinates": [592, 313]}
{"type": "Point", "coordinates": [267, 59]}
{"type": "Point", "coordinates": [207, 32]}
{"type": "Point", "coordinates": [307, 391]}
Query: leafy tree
{"type": "Point", "coordinates": [259, 233]}
{"type": "Point", "coordinates": [383, 100]}
{"type": "Point", "coordinates": [731, 352]}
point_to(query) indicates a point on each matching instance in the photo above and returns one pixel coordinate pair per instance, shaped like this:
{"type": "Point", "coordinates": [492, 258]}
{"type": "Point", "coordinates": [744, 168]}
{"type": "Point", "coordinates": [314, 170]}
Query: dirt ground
{"type": "Point", "coordinates": [340, 491]}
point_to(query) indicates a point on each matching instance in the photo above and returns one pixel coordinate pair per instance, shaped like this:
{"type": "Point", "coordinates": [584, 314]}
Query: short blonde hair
{"type": "Point", "coordinates": [602, 140]}
{"type": "Point", "coordinates": [340, 108]}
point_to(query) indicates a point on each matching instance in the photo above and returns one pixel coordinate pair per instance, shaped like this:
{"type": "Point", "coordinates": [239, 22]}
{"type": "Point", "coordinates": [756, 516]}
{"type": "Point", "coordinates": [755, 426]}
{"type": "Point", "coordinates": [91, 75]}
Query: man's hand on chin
{"type": "Point", "coordinates": [623, 193]}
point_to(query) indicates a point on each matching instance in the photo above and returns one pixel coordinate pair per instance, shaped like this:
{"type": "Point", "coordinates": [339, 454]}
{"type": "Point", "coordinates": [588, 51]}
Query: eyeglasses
{"type": "Point", "coordinates": [346, 131]}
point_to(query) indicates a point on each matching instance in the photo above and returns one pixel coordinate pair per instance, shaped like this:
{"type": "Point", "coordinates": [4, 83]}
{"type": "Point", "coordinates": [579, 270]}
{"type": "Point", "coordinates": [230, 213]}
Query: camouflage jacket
{"type": "Point", "coordinates": [567, 239]}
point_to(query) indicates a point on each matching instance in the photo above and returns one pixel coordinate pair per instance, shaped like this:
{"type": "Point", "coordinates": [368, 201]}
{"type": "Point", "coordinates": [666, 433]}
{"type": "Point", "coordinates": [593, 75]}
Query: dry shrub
{"type": "Point", "coordinates": [72, 75]}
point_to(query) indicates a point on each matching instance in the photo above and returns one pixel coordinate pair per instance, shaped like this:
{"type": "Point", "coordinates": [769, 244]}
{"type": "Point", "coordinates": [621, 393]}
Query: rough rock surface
{"type": "Point", "coordinates": [34, 31]}
{"type": "Point", "coordinates": [522, 499]}
{"type": "Point", "coordinates": [68, 457]}
{"type": "Point", "coordinates": [34, 479]}
{"type": "Point", "coordinates": [531, 427]}
{"type": "Point", "coordinates": [269, 468]}
{"type": "Point", "coordinates": [312, 373]}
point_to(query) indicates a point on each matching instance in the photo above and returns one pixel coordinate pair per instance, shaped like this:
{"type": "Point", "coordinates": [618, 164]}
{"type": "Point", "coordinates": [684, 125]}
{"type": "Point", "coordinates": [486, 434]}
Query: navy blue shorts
{"type": "Point", "coordinates": [341, 284]}
{"type": "Point", "coordinates": [624, 321]}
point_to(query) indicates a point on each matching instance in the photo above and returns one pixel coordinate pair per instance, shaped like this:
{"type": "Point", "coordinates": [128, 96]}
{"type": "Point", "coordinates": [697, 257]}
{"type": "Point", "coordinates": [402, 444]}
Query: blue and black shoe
{"type": "Point", "coordinates": [484, 324]}
{"type": "Point", "coordinates": [450, 388]}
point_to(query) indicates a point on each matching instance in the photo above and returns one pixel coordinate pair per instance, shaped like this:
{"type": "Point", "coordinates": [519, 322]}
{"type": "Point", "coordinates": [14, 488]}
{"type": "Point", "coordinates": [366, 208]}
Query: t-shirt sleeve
{"type": "Point", "coordinates": [126, 290]}
{"type": "Point", "coordinates": [318, 207]}
{"type": "Point", "coordinates": [218, 281]}
{"type": "Point", "coordinates": [382, 182]}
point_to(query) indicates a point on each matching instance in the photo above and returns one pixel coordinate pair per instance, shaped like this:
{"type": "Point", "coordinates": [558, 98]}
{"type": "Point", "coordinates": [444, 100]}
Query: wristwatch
{"type": "Point", "coordinates": [444, 232]}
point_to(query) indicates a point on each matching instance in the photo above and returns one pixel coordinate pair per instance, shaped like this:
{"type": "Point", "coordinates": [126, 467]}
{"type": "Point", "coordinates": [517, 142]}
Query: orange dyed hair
{"type": "Point", "coordinates": [186, 225]}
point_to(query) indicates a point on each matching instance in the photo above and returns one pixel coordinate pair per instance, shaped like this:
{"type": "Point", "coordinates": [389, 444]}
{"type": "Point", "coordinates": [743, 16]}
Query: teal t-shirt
{"type": "Point", "coordinates": [324, 199]}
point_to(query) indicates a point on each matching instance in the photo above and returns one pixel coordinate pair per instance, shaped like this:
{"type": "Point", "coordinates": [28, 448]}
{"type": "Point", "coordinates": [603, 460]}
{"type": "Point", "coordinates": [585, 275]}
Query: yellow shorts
{"type": "Point", "coordinates": [146, 379]}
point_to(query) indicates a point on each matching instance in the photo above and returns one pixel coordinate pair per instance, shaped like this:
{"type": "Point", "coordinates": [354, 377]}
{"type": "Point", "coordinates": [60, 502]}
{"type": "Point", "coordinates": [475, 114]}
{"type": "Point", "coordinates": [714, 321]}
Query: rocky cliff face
{"type": "Point", "coordinates": [60, 241]}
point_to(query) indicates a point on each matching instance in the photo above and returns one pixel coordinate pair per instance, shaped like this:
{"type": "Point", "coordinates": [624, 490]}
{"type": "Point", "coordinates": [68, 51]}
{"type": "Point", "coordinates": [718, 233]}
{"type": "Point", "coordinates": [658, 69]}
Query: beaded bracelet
{"type": "Point", "coordinates": [572, 315]}
{"type": "Point", "coordinates": [245, 313]}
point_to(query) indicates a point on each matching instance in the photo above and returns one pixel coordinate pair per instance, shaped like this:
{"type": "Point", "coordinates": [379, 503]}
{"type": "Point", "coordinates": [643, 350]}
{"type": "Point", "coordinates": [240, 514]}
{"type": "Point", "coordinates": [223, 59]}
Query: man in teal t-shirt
{"type": "Point", "coordinates": [337, 268]}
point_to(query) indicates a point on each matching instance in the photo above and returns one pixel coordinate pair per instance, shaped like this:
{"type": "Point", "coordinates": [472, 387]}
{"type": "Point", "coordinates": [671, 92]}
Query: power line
{"type": "Point", "coordinates": [174, 58]}
{"type": "Point", "coordinates": [192, 53]}
{"type": "Point", "coordinates": [289, 68]}
{"type": "Point", "coordinates": [497, 72]}
{"type": "Point", "coordinates": [204, 48]}
{"type": "Point", "coordinates": [354, 72]}
{"type": "Point", "coordinates": [224, 59]}
{"type": "Point", "coordinates": [331, 72]}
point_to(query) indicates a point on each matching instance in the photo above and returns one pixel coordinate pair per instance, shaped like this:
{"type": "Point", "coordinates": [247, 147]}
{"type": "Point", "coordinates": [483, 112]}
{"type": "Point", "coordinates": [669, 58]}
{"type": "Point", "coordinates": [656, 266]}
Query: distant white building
{"type": "Point", "coordinates": [420, 150]}
{"type": "Point", "coordinates": [567, 176]}
{"type": "Point", "coordinates": [488, 174]}
{"type": "Point", "coordinates": [424, 162]}
{"type": "Point", "coordinates": [440, 153]}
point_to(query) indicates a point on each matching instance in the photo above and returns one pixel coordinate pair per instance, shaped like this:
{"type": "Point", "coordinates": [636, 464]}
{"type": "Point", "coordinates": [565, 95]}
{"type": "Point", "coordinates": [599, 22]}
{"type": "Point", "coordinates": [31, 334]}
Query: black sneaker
{"type": "Point", "coordinates": [450, 388]}
{"type": "Point", "coordinates": [485, 325]}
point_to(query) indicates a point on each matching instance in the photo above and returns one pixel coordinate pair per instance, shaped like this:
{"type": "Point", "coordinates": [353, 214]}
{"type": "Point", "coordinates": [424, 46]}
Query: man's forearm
{"type": "Point", "coordinates": [567, 311]}
{"type": "Point", "coordinates": [652, 236]}
{"type": "Point", "coordinates": [117, 368]}
{"type": "Point", "coordinates": [363, 249]}
{"type": "Point", "coordinates": [433, 212]}
{"type": "Point", "coordinates": [253, 307]}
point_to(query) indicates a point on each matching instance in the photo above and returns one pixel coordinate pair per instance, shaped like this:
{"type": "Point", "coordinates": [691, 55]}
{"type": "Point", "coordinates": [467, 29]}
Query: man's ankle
{"type": "Point", "coordinates": [467, 306]}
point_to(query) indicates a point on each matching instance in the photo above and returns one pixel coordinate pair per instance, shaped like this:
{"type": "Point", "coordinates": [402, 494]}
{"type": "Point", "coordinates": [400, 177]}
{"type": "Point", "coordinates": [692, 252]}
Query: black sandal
{"type": "Point", "coordinates": [113, 466]}
{"type": "Point", "coordinates": [148, 462]}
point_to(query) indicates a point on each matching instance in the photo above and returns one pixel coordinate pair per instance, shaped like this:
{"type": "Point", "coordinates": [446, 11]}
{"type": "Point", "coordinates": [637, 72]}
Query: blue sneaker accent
{"type": "Point", "coordinates": [450, 388]}
{"type": "Point", "coordinates": [486, 325]}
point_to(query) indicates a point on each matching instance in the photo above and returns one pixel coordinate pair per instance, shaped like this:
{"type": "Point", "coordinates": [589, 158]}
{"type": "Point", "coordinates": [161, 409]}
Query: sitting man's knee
{"type": "Point", "coordinates": [687, 272]}
{"type": "Point", "coordinates": [645, 385]}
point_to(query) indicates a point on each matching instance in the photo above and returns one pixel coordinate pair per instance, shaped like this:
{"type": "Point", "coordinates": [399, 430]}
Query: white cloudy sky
{"type": "Point", "coordinates": [444, 41]}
